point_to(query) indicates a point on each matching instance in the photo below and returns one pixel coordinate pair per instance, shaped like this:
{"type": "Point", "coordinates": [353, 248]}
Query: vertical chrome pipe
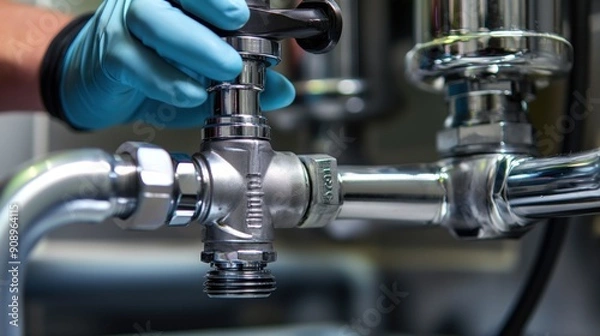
{"type": "Point", "coordinates": [436, 19]}
{"type": "Point", "coordinates": [86, 186]}
{"type": "Point", "coordinates": [555, 187]}
{"type": "Point", "coordinates": [406, 194]}
{"type": "Point", "coordinates": [242, 96]}
{"type": "Point", "coordinates": [475, 39]}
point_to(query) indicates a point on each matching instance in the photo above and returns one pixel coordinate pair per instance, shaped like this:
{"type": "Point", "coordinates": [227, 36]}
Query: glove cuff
{"type": "Point", "coordinates": [53, 64]}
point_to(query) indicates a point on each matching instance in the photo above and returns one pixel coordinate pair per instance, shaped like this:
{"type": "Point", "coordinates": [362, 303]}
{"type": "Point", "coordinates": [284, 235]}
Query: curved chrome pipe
{"type": "Point", "coordinates": [85, 186]}
{"type": "Point", "coordinates": [555, 187]}
{"type": "Point", "coordinates": [412, 194]}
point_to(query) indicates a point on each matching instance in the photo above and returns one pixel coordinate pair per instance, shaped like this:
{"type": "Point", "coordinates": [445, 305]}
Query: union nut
{"type": "Point", "coordinates": [325, 199]}
{"type": "Point", "coordinates": [508, 133]}
{"type": "Point", "coordinates": [156, 181]}
{"type": "Point", "coordinates": [190, 187]}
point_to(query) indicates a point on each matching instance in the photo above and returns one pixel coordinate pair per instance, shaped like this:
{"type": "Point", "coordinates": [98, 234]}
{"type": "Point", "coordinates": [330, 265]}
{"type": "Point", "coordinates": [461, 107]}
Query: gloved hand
{"type": "Point", "coordinates": [146, 60]}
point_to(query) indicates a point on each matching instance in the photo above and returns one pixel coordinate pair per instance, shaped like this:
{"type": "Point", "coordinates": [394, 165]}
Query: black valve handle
{"type": "Point", "coordinates": [315, 24]}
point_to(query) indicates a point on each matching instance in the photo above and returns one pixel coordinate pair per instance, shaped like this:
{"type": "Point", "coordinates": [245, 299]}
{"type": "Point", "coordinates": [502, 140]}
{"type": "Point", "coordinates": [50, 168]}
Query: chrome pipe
{"type": "Point", "coordinates": [465, 195]}
{"type": "Point", "coordinates": [555, 187]}
{"type": "Point", "coordinates": [479, 197]}
{"type": "Point", "coordinates": [414, 194]}
{"type": "Point", "coordinates": [85, 186]}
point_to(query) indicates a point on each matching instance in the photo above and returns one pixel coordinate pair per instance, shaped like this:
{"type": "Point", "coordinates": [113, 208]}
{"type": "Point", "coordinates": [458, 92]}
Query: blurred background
{"type": "Point", "coordinates": [99, 280]}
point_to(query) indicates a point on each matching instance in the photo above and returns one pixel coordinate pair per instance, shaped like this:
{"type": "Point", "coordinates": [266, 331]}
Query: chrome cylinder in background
{"type": "Point", "coordinates": [332, 79]}
{"type": "Point", "coordinates": [349, 82]}
{"type": "Point", "coordinates": [489, 57]}
{"type": "Point", "coordinates": [555, 187]}
{"type": "Point", "coordinates": [339, 90]}
{"type": "Point", "coordinates": [439, 19]}
{"type": "Point", "coordinates": [499, 38]}
{"type": "Point", "coordinates": [405, 194]}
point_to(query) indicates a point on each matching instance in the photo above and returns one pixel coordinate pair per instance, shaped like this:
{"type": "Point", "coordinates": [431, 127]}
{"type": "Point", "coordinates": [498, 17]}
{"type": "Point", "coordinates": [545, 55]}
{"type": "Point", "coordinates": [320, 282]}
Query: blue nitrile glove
{"type": "Point", "coordinates": [146, 60]}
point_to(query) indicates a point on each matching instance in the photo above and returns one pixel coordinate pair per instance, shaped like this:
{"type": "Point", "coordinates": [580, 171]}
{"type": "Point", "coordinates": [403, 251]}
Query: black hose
{"type": "Point", "coordinates": [538, 278]}
{"type": "Point", "coordinates": [556, 230]}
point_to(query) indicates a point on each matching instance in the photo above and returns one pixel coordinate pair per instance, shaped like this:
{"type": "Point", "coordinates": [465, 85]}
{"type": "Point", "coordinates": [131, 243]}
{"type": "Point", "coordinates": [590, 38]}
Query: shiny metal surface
{"type": "Point", "coordinates": [477, 207]}
{"type": "Point", "coordinates": [555, 187]}
{"type": "Point", "coordinates": [240, 282]}
{"type": "Point", "coordinates": [347, 83]}
{"type": "Point", "coordinates": [505, 39]}
{"type": "Point", "coordinates": [487, 116]}
{"type": "Point", "coordinates": [236, 104]}
{"type": "Point", "coordinates": [236, 127]}
{"type": "Point", "coordinates": [237, 168]}
{"type": "Point", "coordinates": [156, 182]}
{"type": "Point", "coordinates": [405, 194]}
{"type": "Point", "coordinates": [84, 186]}
{"type": "Point", "coordinates": [476, 102]}
{"type": "Point", "coordinates": [191, 188]}
{"type": "Point", "coordinates": [489, 57]}
{"type": "Point", "coordinates": [253, 190]}
{"type": "Point", "coordinates": [256, 47]}
{"type": "Point", "coordinates": [336, 73]}
{"type": "Point", "coordinates": [465, 195]}
{"type": "Point", "coordinates": [325, 197]}
{"type": "Point", "coordinates": [503, 137]}
{"type": "Point", "coordinates": [476, 197]}
{"type": "Point", "coordinates": [241, 97]}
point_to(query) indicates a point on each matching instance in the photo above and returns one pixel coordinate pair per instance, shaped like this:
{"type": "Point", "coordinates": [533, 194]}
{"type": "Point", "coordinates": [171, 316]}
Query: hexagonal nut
{"type": "Point", "coordinates": [156, 180]}
{"type": "Point", "coordinates": [326, 199]}
{"type": "Point", "coordinates": [239, 257]}
{"type": "Point", "coordinates": [506, 133]}
{"type": "Point", "coordinates": [188, 190]}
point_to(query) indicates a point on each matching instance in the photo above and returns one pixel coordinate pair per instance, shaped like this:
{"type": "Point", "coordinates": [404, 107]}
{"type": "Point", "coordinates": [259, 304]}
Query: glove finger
{"type": "Point", "coordinates": [279, 92]}
{"type": "Point", "coordinates": [138, 67]}
{"type": "Point", "coordinates": [224, 14]}
{"type": "Point", "coordinates": [164, 116]}
{"type": "Point", "coordinates": [176, 36]}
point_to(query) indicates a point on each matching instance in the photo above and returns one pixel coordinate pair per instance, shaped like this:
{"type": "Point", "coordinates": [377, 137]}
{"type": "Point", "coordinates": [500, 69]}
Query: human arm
{"type": "Point", "coordinates": [25, 34]}
{"type": "Point", "coordinates": [132, 60]}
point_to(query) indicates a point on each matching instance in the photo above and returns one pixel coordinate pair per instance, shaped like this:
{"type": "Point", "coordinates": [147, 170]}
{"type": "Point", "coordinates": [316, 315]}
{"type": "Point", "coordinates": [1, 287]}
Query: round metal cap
{"type": "Point", "coordinates": [498, 54]}
{"type": "Point", "coordinates": [256, 47]}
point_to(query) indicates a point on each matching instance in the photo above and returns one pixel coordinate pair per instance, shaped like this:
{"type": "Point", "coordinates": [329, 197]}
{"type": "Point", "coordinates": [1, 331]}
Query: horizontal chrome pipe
{"type": "Point", "coordinates": [555, 187]}
{"type": "Point", "coordinates": [412, 194]}
{"type": "Point", "coordinates": [464, 195]}
{"type": "Point", "coordinates": [488, 196]}
{"type": "Point", "coordinates": [85, 186]}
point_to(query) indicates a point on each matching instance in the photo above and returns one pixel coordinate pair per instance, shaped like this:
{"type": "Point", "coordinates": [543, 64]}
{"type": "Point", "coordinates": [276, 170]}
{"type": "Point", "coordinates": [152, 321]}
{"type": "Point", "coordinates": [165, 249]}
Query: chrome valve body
{"type": "Point", "coordinates": [236, 151]}
{"type": "Point", "coordinates": [489, 57]}
{"type": "Point", "coordinates": [254, 189]}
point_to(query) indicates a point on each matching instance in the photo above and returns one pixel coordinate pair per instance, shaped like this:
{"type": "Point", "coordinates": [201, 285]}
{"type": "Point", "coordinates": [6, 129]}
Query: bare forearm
{"type": "Point", "coordinates": [25, 34]}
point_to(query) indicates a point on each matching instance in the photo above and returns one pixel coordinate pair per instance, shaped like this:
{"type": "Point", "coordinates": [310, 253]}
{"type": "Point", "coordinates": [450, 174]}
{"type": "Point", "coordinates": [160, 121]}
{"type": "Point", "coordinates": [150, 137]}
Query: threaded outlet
{"type": "Point", "coordinates": [241, 283]}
